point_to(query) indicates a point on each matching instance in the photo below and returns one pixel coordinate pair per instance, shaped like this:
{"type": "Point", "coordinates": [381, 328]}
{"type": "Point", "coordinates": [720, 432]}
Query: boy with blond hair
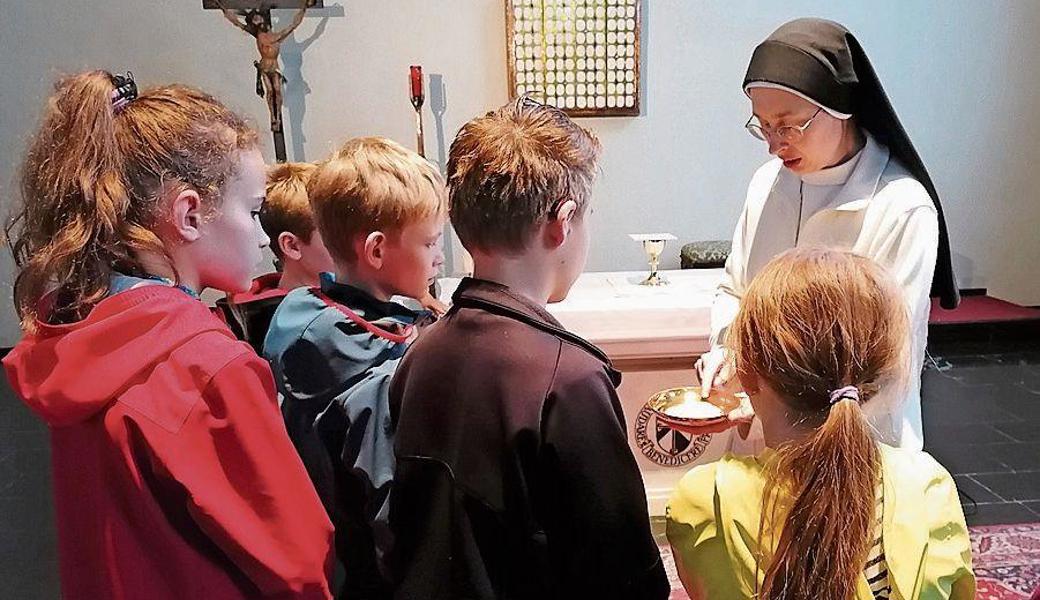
{"type": "Point", "coordinates": [380, 210]}
{"type": "Point", "coordinates": [514, 476]}
{"type": "Point", "coordinates": [287, 220]}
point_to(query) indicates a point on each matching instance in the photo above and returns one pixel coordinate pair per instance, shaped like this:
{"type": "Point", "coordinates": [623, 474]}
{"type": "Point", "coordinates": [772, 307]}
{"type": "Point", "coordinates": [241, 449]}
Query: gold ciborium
{"type": "Point", "coordinates": [653, 245]}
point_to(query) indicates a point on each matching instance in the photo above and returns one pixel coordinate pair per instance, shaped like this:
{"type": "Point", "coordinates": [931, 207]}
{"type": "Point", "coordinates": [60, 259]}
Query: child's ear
{"type": "Point", "coordinates": [374, 249]}
{"type": "Point", "coordinates": [186, 215]}
{"type": "Point", "coordinates": [561, 222]}
{"type": "Point", "coordinates": [289, 245]}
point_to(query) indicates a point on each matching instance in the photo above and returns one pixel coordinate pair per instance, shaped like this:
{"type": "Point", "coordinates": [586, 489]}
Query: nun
{"type": "Point", "coordinates": [844, 175]}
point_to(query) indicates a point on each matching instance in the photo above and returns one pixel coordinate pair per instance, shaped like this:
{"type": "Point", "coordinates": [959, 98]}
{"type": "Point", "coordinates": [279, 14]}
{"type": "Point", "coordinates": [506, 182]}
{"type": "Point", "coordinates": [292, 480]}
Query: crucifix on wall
{"type": "Point", "coordinates": [254, 18]}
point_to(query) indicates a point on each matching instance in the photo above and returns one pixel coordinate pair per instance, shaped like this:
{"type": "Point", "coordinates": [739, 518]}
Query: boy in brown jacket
{"type": "Point", "coordinates": [514, 476]}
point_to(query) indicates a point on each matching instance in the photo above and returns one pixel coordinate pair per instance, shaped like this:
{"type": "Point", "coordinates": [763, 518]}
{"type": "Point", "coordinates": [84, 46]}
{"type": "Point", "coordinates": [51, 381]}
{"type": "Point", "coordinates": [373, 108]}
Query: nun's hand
{"type": "Point", "coordinates": [714, 369]}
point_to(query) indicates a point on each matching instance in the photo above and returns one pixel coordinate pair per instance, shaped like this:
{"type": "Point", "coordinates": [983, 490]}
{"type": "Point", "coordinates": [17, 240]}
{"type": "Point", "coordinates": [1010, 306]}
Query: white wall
{"type": "Point", "coordinates": [961, 75]}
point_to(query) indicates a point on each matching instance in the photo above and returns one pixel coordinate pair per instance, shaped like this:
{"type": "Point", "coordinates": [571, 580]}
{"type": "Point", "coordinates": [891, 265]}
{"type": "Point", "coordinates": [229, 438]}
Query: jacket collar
{"type": "Point", "coordinates": [262, 288]}
{"type": "Point", "coordinates": [499, 299]}
{"type": "Point", "coordinates": [364, 304]}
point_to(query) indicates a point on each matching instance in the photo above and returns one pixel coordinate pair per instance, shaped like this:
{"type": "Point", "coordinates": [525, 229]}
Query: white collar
{"type": "Point", "coordinates": [836, 175]}
{"type": "Point", "coordinates": [862, 181]}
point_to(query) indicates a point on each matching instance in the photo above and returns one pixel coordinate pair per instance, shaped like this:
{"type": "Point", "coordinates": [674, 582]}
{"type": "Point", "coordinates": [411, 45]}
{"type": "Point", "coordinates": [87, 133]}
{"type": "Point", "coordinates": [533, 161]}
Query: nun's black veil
{"type": "Point", "coordinates": [824, 61]}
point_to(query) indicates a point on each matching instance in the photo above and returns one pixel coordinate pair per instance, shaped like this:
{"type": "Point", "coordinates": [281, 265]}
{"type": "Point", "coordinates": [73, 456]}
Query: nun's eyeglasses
{"type": "Point", "coordinates": [788, 134]}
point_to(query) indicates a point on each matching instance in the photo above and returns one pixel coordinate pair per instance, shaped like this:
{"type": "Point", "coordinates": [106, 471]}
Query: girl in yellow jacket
{"type": "Point", "coordinates": [825, 512]}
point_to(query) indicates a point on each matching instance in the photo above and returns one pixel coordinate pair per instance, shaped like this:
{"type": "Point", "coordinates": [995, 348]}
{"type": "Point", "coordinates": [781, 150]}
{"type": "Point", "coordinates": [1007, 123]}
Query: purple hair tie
{"type": "Point", "coordinates": [849, 392]}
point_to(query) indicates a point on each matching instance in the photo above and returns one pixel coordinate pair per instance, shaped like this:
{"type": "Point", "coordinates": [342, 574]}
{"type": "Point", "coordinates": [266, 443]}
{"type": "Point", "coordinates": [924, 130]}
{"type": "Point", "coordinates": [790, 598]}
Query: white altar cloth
{"type": "Point", "coordinates": [631, 321]}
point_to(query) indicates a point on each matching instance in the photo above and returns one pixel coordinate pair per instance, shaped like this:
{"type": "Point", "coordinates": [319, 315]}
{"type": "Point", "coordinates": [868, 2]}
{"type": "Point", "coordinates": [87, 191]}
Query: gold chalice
{"type": "Point", "coordinates": [653, 245]}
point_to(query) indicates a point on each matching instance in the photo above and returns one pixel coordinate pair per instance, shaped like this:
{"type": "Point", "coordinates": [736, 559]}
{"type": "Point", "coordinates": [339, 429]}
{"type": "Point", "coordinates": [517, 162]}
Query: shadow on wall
{"type": "Point", "coordinates": [296, 88]}
{"type": "Point", "coordinates": [454, 261]}
{"type": "Point", "coordinates": [964, 267]}
{"type": "Point", "coordinates": [438, 105]}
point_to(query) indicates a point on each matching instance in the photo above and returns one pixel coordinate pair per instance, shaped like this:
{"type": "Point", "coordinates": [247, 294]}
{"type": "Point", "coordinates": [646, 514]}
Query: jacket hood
{"type": "Point", "coordinates": [68, 373]}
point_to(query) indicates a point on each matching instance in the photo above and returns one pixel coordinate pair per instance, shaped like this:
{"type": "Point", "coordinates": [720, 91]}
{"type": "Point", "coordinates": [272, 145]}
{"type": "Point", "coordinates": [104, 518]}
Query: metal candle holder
{"type": "Point", "coordinates": [415, 86]}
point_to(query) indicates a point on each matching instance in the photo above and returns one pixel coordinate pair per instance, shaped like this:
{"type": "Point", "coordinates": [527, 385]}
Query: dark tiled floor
{"type": "Point", "coordinates": [982, 422]}
{"type": "Point", "coordinates": [981, 414]}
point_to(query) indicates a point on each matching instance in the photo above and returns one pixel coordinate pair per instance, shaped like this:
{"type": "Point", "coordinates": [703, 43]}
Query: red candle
{"type": "Point", "coordinates": [416, 79]}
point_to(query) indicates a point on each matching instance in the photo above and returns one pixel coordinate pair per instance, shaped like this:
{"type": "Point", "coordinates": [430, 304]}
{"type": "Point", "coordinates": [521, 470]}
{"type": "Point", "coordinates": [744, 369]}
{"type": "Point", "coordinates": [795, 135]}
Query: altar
{"type": "Point", "coordinates": [653, 335]}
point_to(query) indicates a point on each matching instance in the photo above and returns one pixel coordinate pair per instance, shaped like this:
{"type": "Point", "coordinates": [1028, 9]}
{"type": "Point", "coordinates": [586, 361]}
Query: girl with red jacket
{"type": "Point", "coordinates": [173, 475]}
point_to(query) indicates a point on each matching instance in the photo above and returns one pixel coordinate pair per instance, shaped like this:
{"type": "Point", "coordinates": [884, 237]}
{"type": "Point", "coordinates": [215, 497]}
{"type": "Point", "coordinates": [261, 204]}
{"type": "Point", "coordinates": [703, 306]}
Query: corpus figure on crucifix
{"type": "Point", "coordinates": [257, 23]}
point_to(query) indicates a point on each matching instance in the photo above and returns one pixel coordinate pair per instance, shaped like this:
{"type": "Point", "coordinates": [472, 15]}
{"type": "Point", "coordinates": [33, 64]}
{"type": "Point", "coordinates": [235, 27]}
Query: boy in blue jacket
{"type": "Point", "coordinates": [381, 211]}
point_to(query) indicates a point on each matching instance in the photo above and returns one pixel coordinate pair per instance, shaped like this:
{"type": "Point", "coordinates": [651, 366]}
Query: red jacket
{"type": "Point", "coordinates": [249, 313]}
{"type": "Point", "coordinates": [173, 474]}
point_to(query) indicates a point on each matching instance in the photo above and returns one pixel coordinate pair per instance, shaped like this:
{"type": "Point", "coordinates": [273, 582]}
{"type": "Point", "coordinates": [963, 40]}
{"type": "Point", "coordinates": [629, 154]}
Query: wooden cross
{"type": "Point", "coordinates": [254, 18]}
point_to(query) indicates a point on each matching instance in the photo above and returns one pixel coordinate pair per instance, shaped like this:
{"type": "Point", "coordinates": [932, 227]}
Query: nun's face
{"type": "Point", "coordinates": [822, 144]}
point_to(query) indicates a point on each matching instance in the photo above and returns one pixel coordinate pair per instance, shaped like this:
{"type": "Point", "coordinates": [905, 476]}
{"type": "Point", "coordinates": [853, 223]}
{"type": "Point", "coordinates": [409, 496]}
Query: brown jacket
{"type": "Point", "coordinates": [514, 476]}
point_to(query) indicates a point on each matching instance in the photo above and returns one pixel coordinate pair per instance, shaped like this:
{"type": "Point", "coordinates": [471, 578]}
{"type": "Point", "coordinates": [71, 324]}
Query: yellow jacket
{"type": "Point", "coordinates": [714, 514]}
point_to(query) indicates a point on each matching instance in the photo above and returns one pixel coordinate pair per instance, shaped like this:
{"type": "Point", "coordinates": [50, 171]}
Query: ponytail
{"type": "Point", "coordinates": [74, 201]}
{"type": "Point", "coordinates": [93, 179]}
{"type": "Point", "coordinates": [829, 527]}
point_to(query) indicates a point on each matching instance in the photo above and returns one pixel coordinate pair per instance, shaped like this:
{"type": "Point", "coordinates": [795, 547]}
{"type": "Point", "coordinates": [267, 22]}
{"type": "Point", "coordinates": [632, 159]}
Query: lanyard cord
{"type": "Point", "coordinates": [396, 337]}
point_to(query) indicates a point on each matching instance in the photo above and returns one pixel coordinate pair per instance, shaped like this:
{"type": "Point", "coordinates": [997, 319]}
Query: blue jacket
{"type": "Point", "coordinates": [333, 351]}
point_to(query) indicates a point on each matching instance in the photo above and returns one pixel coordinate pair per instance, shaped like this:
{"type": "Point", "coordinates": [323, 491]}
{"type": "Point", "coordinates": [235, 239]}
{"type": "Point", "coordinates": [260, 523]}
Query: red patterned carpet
{"type": "Point", "coordinates": [1006, 561]}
